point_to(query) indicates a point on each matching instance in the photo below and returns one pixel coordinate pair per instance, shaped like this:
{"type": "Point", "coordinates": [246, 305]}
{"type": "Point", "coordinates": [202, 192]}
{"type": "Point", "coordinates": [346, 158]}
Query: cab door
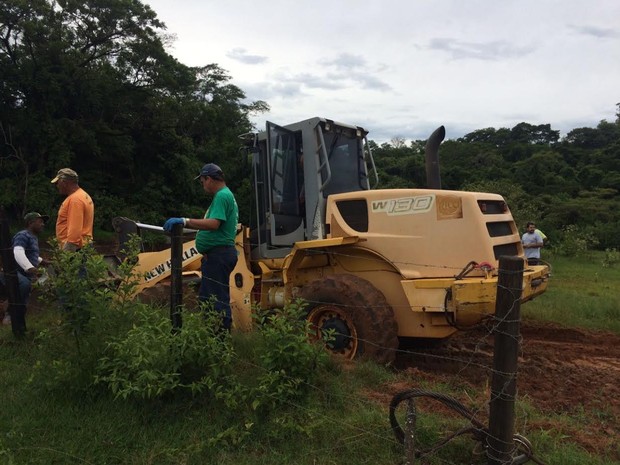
{"type": "Point", "coordinates": [285, 186]}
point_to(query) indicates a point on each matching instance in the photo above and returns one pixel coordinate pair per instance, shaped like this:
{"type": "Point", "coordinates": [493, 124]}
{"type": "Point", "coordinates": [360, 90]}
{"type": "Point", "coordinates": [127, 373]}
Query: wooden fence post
{"type": "Point", "coordinates": [410, 433]}
{"type": "Point", "coordinates": [176, 276]}
{"type": "Point", "coordinates": [500, 444]}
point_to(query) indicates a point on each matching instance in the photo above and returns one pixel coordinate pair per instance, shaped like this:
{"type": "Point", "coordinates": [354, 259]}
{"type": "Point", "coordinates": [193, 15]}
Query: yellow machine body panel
{"type": "Point", "coordinates": [154, 267]}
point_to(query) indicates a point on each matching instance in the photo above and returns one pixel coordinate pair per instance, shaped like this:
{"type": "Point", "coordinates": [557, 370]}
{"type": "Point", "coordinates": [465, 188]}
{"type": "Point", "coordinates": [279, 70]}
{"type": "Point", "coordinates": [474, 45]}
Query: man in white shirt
{"type": "Point", "coordinates": [532, 243]}
{"type": "Point", "coordinates": [28, 259]}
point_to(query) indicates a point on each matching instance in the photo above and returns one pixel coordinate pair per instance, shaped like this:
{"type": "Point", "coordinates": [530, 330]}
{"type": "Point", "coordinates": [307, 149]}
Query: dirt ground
{"type": "Point", "coordinates": [561, 371]}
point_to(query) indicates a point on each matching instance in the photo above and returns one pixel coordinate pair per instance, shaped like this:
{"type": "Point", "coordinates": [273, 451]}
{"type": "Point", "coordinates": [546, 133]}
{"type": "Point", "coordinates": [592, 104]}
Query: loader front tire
{"type": "Point", "coordinates": [361, 321]}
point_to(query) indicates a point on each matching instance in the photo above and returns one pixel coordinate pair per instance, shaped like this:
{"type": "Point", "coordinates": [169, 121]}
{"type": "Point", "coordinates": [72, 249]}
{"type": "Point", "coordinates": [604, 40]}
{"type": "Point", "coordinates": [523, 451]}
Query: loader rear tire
{"type": "Point", "coordinates": [362, 321]}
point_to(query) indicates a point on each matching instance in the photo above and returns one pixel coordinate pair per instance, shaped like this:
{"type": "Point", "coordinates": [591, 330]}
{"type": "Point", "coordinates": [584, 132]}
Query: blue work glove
{"type": "Point", "coordinates": [170, 222]}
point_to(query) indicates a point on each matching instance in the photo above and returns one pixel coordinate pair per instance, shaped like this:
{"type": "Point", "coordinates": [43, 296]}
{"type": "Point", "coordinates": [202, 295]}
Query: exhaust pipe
{"type": "Point", "coordinates": [431, 149]}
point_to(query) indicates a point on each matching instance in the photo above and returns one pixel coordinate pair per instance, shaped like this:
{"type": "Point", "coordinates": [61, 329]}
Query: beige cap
{"type": "Point", "coordinates": [65, 173]}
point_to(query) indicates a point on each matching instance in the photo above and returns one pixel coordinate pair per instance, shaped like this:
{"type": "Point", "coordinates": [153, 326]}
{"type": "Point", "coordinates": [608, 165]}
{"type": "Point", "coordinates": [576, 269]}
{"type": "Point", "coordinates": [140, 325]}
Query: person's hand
{"type": "Point", "coordinates": [170, 222]}
{"type": "Point", "coordinates": [33, 274]}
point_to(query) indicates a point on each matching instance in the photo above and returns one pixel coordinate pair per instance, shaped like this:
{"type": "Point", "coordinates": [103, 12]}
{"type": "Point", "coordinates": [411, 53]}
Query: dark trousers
{"type": "Point", "coordinates": [17, 310]}
{"type": "Point", "coordinates": [216, 267]}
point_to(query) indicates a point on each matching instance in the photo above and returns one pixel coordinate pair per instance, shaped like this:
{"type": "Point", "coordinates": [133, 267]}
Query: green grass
{"type": "Point", "coordinates": [581, 293]}
{"type": "Point", "coordinates": [38, 427]}
{"type": "Point", "coordinates": [344, 420]}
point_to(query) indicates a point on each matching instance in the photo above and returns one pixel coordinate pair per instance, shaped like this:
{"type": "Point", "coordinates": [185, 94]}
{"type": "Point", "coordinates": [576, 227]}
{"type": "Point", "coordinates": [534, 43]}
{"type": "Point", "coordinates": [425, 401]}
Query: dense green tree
{"type": "Point", "coordinates": [594, 138]}
{"type": "Point", "coordinates": [534, 134]}
{"type": "Point", "coordinates": [89, 85]}
{"type": "Point", "coordinates": [494, 137]}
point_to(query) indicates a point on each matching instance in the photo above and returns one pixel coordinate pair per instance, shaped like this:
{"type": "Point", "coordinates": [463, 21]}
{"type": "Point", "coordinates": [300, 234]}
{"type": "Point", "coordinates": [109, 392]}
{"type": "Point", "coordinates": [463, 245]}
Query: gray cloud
{"type": "Point", "coordinates": [368, 81]}
{"type": "Point", "coordinates": [598, 32]}
{"type": "Point", "coordinates": [271, 90]}
{"type": "Point", "coordinates": [241, 55]}
{"type": "Point", "coordinates": [491, 51]}
{"type": "Point", "coordinates": [346, 61]}
{"type": "Point", "coordinates": [333, 81]}
{"type": "Point", "coordinates": [354, 69]}
{"type": "Point", "coordinates": [317, 82]}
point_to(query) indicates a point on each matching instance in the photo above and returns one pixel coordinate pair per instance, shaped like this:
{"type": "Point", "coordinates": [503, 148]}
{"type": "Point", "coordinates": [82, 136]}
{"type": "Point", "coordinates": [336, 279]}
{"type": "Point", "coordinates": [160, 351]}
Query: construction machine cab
{"type": "Point", "coordinates": [295, 168]}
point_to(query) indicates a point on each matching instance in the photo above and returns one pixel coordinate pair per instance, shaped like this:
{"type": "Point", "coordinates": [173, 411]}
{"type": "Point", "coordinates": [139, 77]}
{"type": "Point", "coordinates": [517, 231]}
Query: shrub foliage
{"type": "Point", "coordinates": [102, 342]}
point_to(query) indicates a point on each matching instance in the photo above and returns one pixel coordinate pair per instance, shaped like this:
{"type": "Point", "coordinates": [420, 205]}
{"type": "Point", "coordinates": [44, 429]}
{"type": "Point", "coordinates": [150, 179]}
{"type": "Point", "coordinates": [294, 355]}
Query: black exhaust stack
{"type": "Point", "coordinates": [433, 178]}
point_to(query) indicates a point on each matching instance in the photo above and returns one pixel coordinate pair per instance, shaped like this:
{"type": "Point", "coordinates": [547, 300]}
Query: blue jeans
{"type": "Point", "coordinates": [25, 286]}
{"type": "Point", "coordinates": [216, 267]}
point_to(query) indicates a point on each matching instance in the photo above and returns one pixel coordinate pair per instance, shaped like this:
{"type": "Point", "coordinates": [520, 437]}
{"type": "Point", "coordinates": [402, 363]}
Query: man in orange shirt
{"type": "Point", "coordinates": [74, 226]}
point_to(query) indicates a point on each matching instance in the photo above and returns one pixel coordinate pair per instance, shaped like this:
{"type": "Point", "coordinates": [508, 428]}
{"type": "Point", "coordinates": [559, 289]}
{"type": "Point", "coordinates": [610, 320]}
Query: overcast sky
{"type": "Point", "coordinates": [403, 67]}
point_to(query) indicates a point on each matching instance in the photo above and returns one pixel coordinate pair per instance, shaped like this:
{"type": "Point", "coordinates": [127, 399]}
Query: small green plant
{"type": "Point", "coordinates": [152, 360]}
{"type": "Point", "coordinates": [611, 258]}
{"type": "Point", "coordinates": [289, 360]}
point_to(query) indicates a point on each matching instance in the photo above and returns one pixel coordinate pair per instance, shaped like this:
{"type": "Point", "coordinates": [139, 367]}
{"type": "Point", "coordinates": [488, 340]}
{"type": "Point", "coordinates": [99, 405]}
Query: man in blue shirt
{"type": "Point", "coordinates": [28, 260]}
{"type": "Point", "coordinates": [215, 240]}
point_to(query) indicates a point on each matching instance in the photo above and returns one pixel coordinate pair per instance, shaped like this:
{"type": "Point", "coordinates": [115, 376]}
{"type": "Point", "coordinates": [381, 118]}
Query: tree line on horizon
{"type": "Point", "coordinates": [89, 85]}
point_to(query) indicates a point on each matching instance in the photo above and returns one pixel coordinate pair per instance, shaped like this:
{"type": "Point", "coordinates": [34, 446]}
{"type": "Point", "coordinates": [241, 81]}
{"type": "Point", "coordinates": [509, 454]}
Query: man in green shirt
{"type": "Point", "coordinates": [215, 240]}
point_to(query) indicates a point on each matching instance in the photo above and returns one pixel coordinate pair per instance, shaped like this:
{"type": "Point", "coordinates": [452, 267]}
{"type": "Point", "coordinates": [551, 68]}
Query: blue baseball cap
{"type": "Point", "coordinates": [211, 170]}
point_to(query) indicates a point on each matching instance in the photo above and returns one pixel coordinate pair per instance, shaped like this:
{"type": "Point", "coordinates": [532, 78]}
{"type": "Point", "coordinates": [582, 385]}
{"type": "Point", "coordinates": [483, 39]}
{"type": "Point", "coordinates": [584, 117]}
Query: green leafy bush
{"type": "Point", "coordinates": [89, 305]}
{"type": "Point", "coordinates": [288, 359]}
{"type": "Point", "coordinates": [103, 341]}
{"type": "Point", "coordinates": [575, 241]}
{"type": "Point", "coordinates": [152, 360]}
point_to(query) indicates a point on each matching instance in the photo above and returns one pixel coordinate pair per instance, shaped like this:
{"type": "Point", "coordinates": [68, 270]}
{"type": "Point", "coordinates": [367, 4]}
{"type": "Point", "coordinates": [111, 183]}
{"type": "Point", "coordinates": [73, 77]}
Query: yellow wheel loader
{"type": "Point", "coordinates": [372, 264]}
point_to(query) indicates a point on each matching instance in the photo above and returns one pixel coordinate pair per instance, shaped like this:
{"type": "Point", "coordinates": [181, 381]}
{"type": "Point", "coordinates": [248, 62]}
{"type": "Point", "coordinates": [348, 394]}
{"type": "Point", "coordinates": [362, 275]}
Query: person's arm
{"type": "Point", "coordinates": [540, 242]}
{"type": "Point", "coordinates": [20, 257]}
{"type": "Point", "coordinates": [532, 245]}
{"type": "Point", "coordinates": [75, 220]}
{"type": "Point", "coordinates": [204, 224]}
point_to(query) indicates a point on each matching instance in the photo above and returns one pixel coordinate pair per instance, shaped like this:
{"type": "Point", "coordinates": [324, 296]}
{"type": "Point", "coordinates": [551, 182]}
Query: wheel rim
{"type": "Point", "coordinates": [329, 317]}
